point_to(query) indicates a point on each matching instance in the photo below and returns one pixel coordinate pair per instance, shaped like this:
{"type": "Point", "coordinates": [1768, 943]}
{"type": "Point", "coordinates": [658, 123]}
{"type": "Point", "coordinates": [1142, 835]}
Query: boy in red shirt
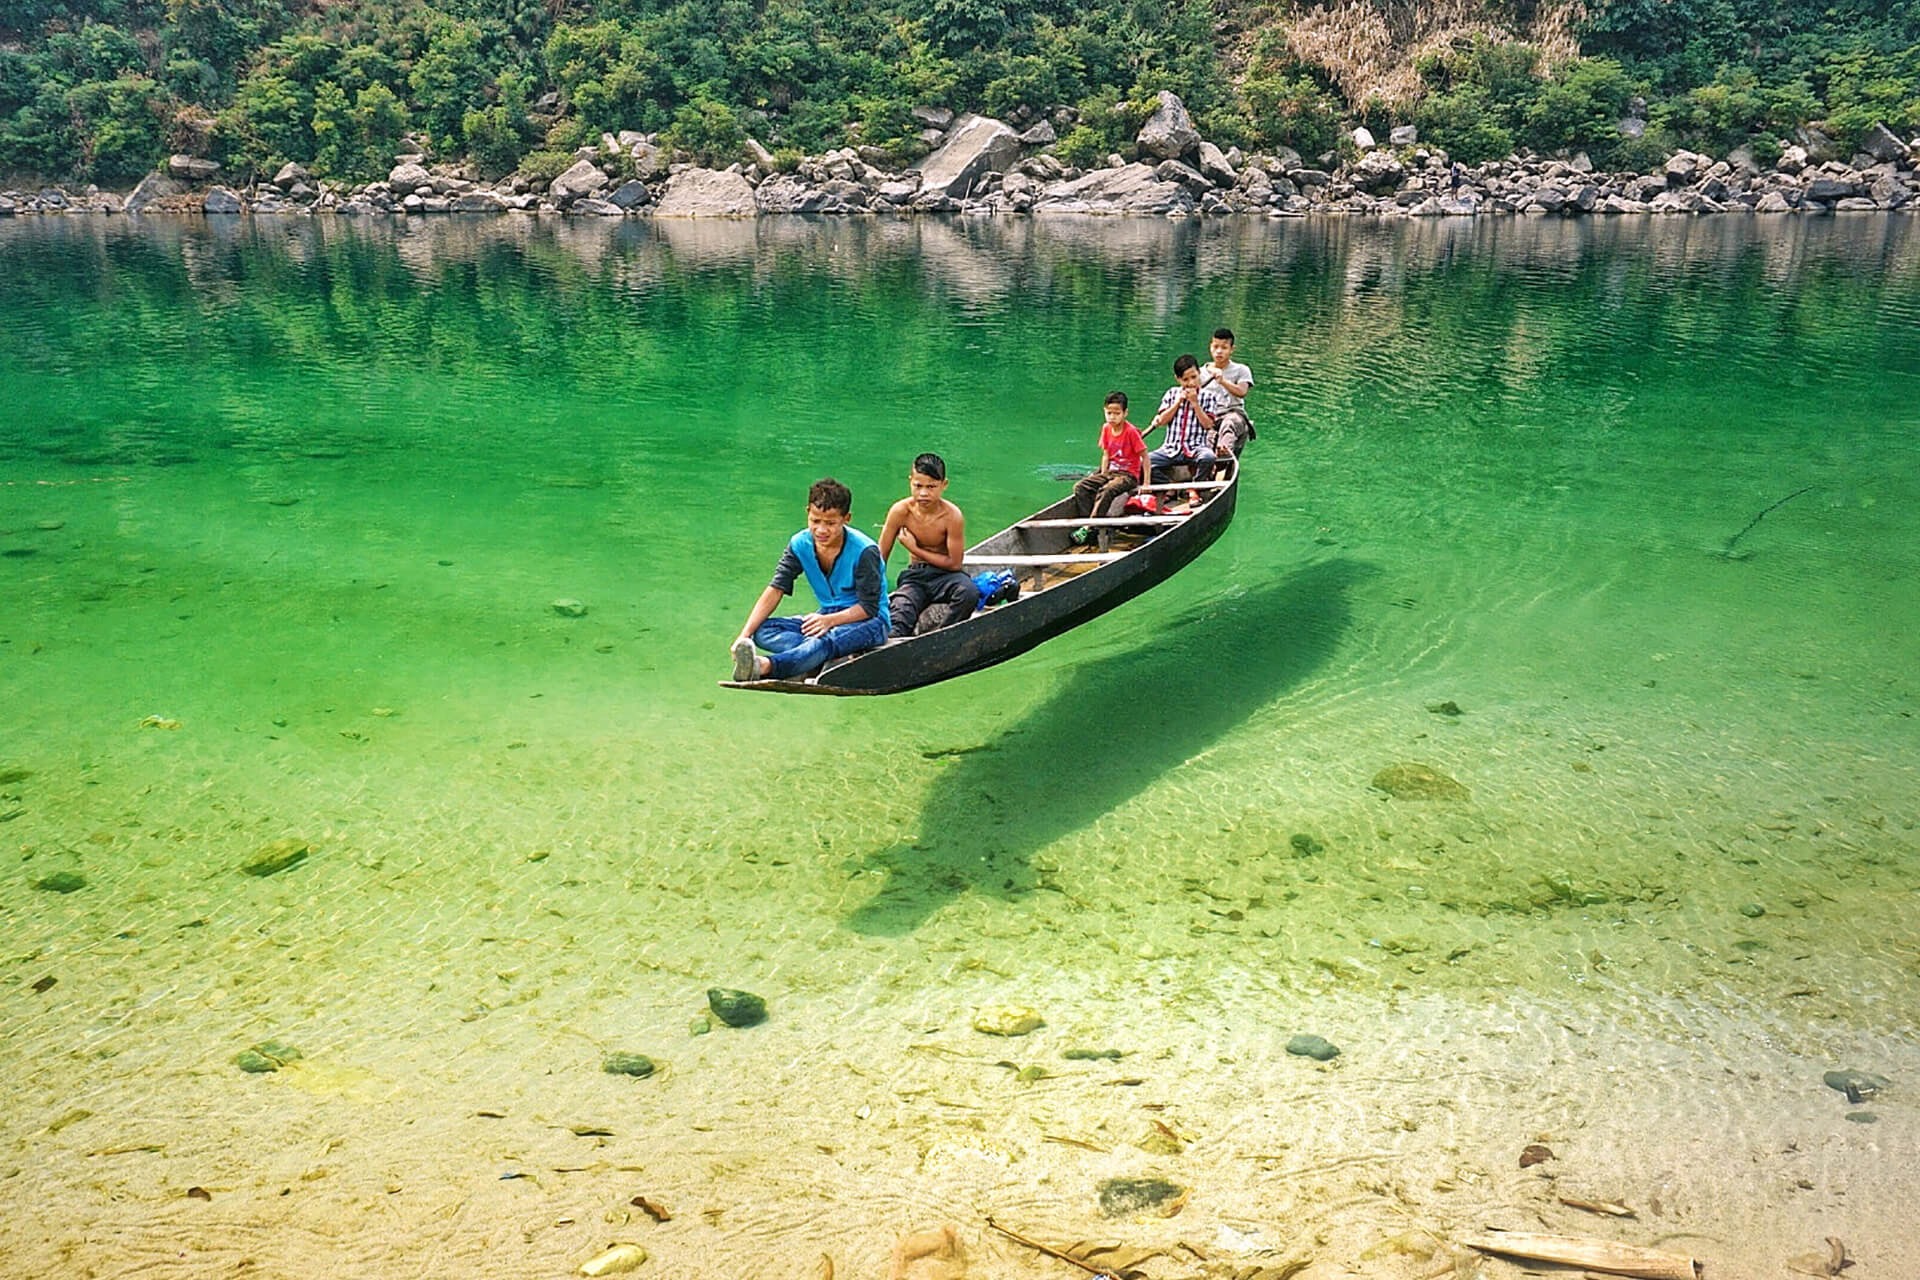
{"type": "Point", "coordinates": [1123, 468]}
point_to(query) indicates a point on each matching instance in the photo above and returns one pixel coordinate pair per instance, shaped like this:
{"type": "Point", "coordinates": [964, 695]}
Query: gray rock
{"type": "Point", "coordinates": [933, 117]}
{"type": "Point", "coordinates": [191, 168]}
{"type": "Point", "coordinates": [582, 178]}
{"type": "Point", "coordinates": [976, 146]}
{"type": "Point", "coordinates": [478, 202]}
{"type": "Point", "coordinates": [154, 187]}
{"type": "Point", "coordinates": [1190, 178]}
{"type": "Point", "coordinates": [786, 193]}
{"type": "Point", "coordinates": [1309, 177]}
{"type": "Point", "coordinates": [1213, 162]}
{"type": "Point", "coordinates": [637, 1065]}
{"type": "Point", "coordinates": [1792, 160]}
{"type": "Point", "coordinates": [1306, 1046]}
{"type": "Point", "coordinates": [1124, 1197]}
{"type": "Point", "coordinates": [567, 607]}
{"type": "Point", "coordinates": [736, 1008]}
{"type": "Point", "coordinates": [1683, 167]}
{"type": "Point", "coordinates": [1363, 138]}
{"type": "Point", "coordinates": [899, 191]}
{"type": "Point", "coordinates": [706, 193]}
{"type": "Point", "coordinates": [409, 177]}
{"type": "Point", "coordinates": [1773, 202]}
{"type": "Point", "coordinates": [1826, 190]}
{"type": "Point", "coordinates": [268, 1055]}
{"type": "Point", "coordinates": [1819, 146]}
{"type": "Point", "coordinates": [1418, 782]}
{"type": "Point", "coordinates": [1131, 189]}
{"type": "Point", "coordinates": [1631, 126]}
{"type": "Point", "coordinates": [1040, 135]}
{"type": "Point", "coordinates": [61, 882]}
{"type": "Point", "coordinates": [1855, 204]}
{"type": "Point", "coordinates": [415, 203]}
{"type": "Point", "coordinates": [1403, 135]}
{"type": "Point", "coordinates": [761, 156]}
{"type": "Point", "coordinates": [631, 194]}
{"type": "Point", "coordinates": [7, 207]}
{"type": "Point", "coordinates": [1378, 173]}
{"type": "Point", "coordinates": [1857, 1085]}
{"type": "Point", "coordinates": [221, 200]}
{"type": "Point", "coordinates": [290, 174]}
{"type": "Point", "coordinates": [1168, 133]}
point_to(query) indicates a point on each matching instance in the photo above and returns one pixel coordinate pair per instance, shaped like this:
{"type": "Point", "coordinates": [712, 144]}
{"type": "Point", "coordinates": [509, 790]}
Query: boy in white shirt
{"type": "Point", "coordinates": [1233, 427]}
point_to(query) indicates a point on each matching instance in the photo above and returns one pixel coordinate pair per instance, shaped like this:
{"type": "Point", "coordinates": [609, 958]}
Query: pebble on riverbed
{"type": "Point", "coordinates": [1120, 1197]}
{"type": "Point", "coordinates": [637, 1065]}
{"type": "Point", "coordinates": [1406, 781]}
{"type": "Point", "coordinates": [1006, 1020]}
{"type": "Point", "coordinates": [1306, 1046]}
{"type": "Point", "coordinates": [567, 608]}
{"type": "Point", "coordinates": [268, 1055]}
{"type": "Point", "coordinates": [61, 882]}
{"type": "Point", "coordinates": [736, 1008]}
{"type": "Point", "coordinates": [1857, 1085]}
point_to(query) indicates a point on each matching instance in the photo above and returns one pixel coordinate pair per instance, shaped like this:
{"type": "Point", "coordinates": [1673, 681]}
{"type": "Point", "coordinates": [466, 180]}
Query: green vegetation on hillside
{"type": "Point", "coordinates": [102, 90]}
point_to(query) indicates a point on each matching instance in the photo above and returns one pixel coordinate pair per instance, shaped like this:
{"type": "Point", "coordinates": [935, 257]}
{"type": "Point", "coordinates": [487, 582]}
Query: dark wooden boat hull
{"type": "Point", "coordinates": [1009, 630]}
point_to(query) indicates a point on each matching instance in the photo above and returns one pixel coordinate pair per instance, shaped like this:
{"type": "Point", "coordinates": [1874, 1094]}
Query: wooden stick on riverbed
{"type": "Point", "coordinates": [1597, 1255]}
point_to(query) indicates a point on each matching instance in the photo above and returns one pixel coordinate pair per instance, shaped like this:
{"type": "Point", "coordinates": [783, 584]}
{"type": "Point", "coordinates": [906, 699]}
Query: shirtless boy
{"type": "Point", "coordinates": [935, 536]}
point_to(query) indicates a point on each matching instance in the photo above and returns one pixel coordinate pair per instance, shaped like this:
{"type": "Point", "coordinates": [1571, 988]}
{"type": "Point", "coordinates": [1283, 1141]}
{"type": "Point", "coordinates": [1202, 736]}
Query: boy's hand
{"type": "Point", "coordinates": [813, 626]}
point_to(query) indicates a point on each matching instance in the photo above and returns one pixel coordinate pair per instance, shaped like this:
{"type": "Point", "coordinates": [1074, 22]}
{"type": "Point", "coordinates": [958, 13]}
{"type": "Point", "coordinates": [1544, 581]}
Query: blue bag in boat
{"type": "Point", "coordinates": [996, 586]}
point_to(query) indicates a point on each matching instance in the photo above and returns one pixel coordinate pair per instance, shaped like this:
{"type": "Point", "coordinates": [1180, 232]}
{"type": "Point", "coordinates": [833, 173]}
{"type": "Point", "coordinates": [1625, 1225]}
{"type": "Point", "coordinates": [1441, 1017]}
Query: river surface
{"type": "Point", "coordinates": [1613, 523]}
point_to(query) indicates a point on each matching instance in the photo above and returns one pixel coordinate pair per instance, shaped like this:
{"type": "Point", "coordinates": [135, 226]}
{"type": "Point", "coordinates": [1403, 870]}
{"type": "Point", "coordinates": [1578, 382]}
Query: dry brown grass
{"type": "Point", "coordinates": [1367, 48]}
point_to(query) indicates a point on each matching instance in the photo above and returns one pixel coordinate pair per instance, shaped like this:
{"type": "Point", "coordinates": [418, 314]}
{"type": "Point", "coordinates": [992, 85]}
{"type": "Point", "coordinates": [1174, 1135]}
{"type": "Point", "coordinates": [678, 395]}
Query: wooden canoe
{"type": "Point", "coordinates": [1061, 586]}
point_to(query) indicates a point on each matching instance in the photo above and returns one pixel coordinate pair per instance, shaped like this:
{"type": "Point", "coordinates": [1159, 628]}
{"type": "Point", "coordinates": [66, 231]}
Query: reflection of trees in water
{"type": "Point", "coordinates": [1118, 725]}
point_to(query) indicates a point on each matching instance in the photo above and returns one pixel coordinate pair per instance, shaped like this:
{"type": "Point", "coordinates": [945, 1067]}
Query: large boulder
{"type": "Point", "coordinates": [1129, 189]}
{"type": "Point", "coordinates": [976, 146]}
{"type": "Point", "coordinates": [1168, 133]}
{"type": "Point", "coordinates": [409, 177]}
{"type": "Point", "coordinates": [1213, 163]}
{"type": "Point", "coordinates": [1378, 173]}
{"type": "Point", "coordinates": [221, 200]}
{"type": "Point", "coordinates": [706, 193]}
{"type": "Point", "coordinates": [152, 189]}
{"type": "Point", "coordinates": [1882, 144]}
{"type": "Point", "coordinates": [478, 202]}
{"type": "Point", "coordinates": [582, 179]}
{"type": "Point", "coordinates": [631, 194]}
{"type": "Point", "coordinates": [1827, 190]}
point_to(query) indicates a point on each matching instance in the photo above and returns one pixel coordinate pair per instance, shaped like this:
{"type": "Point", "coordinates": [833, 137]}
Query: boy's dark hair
{"type": "Point", "coordinates": [1184, 362]}
{"type": "Point", "coordinates": [830, 495]}
{"type": "Point", "coordinates": [931, 465]}
{"type": "Point", "coordinates": [1224, 334]}
{"type": "Point", "coordinates": [1117, 397]}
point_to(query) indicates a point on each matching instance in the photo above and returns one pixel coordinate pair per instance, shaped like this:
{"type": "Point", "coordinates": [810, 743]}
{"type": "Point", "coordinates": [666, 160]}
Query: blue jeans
{"type": "Point", "coordinates": [1201, 461]}
{"type": "Point", "coordinates": [796, 654]}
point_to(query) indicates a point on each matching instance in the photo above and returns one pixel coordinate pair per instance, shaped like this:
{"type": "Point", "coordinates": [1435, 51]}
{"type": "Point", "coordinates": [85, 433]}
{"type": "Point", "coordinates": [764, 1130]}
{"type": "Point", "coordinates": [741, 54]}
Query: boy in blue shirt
{"type": "Point", "coordinates": [848, 577]}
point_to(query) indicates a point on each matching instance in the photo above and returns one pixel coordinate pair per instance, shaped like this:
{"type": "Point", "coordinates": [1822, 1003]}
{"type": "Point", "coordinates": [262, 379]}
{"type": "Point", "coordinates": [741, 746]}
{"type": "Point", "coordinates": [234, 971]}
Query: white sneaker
{"type": "Point", "coordinates": [746, 664]}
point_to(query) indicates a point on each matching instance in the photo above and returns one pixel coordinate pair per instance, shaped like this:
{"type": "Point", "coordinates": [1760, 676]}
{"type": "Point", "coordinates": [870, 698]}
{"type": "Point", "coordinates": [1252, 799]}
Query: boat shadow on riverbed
{"type": "Point", "coordinates": [1118, 725]}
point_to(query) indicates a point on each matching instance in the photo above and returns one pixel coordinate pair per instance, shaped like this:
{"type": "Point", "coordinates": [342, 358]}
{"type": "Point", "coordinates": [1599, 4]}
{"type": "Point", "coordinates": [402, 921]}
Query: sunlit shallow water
{"type": "Point", "coordinates": [309, 489]}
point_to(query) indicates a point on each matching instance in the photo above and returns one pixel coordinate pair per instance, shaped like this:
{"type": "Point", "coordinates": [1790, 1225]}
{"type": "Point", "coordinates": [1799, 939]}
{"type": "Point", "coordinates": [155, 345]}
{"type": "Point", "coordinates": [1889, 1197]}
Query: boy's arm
{"type": "Point", "coordinates": [1238, 390]}
{"type": "Point", "coordinates": [895, 514]}
{"type": "Point", "coordinates": [762, 610]}
{"type": "Point", "coordinates": [955, 553]}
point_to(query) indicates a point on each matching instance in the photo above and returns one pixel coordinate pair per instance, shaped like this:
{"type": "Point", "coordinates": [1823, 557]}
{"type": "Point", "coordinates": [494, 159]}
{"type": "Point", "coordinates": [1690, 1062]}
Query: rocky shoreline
{"type": "Point", "coordinates": [980, 165]}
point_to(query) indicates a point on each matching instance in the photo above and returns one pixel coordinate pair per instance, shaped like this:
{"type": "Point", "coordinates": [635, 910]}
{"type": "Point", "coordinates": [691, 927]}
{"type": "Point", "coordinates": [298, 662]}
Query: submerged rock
{"type": "Point", "coordinates": [268, 1055]}
{"type": "Point", "coordinates": [61, 882]}
{"type": "Point", "coordinates": [1315, 1047]}
{"type": "Point", "coordinates": [1120, 1197]}
{"type": "Point", "coordinates": [736, 1008]}
{"type": "Point", "coordinates": [1857, 1085]}
{"type": "Point", "coordinates": [569, 608]}
{"type": "Point", "coordinates": [1006, 1020]}
{"type": "Point", "coordinates": [1407, 781]}
{"type": "Point", "coordinates": [637, 1065]}
{"type": "Point", "coordinates": [277, 857]}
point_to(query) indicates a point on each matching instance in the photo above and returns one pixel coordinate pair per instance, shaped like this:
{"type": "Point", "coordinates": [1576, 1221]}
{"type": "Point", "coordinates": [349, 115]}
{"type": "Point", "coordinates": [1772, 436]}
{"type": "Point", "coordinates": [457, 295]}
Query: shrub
{"type": "Point", "coordinates": [1579, 106]}
{"type": "Point", "coordinates": [1463, 122]}
{"type": "Point", "coordinates": [1083, 148]}
{"type": "Point", "coordinates": [545, 165]}
{"type": "Point", "coordinates": [121, 127]}
{"type": "Point", "coordinates": [708, 131]}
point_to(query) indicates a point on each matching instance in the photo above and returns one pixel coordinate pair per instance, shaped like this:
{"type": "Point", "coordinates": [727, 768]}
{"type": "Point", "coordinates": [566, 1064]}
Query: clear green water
{"type": "Point", "coordinates": [309, 488]}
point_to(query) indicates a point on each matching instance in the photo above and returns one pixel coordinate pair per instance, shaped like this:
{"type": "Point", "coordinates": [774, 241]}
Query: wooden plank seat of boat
{"type": "Point", "coordinates": [1195, 485]}
{"type": "Point", "coordinates": [1101, 522]}
{"type": "Point", "coordinates": [1017, 562]}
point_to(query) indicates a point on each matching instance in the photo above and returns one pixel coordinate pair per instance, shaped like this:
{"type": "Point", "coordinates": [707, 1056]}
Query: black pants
{"type": "Point", "coordinates": [1104, 493]}
{"type": "Point", "coordinates": [927, 599]}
